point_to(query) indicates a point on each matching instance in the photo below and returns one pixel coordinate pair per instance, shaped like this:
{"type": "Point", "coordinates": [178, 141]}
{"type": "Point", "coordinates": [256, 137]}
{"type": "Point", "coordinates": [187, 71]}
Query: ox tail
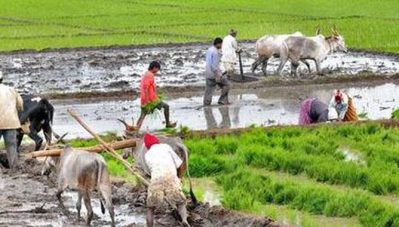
{"type": "Point", "coordinates": [100, 170]}
{"type": "Point", "coordinates": [192, 195]}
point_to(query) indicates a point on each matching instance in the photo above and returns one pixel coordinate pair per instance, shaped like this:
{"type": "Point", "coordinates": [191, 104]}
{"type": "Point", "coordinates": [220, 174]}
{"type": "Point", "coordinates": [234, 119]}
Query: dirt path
{"type": "Point", "coordinates": [28, 199]}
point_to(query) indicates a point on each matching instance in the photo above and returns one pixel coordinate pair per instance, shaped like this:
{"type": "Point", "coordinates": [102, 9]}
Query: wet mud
{"type": "Point", "coordinates": [119, 69]}
{"type": "Point", "coordinates": [28, 199]}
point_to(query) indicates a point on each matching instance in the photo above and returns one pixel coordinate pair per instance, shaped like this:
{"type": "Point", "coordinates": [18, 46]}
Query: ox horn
{"type": "Point", "coordinates": [127, 126]}
{"type": "Point", "coordinates": [318, 30]}
{"type": "Point", "coordinates": [334, 30]}
{"type": "Point", "coordinates": [123, 122]}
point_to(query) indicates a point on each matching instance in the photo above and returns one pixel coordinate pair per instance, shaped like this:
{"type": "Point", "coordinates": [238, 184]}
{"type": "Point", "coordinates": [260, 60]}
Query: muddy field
{"type": "Point", "coordinates": [109, 70]}
{"type": "Point", "coordinates": [28, 199]}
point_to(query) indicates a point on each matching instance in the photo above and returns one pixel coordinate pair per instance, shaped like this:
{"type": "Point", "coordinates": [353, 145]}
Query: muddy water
{"type": "Point", "coordinates": [28, 199]}
{"type": "Point", "coordinates": [265, 107]}
{"type": "Point", "coordinates": [22, 194]}
{"type": "Point", "coordinates": [120, 69]}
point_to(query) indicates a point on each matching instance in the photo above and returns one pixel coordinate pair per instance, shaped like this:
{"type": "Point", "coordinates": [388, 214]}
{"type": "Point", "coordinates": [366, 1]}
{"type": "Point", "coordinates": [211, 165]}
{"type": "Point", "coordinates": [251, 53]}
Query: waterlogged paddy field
{"type": "Point", "coordinates": [326, 176]}
{"type": "Point", "coordinates": [53, 24]}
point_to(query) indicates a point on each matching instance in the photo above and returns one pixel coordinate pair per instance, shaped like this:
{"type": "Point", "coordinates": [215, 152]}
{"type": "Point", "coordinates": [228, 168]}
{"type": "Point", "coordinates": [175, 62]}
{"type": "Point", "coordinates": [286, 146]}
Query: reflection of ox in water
{"type": "Point", "coordinates": [39, 112]}
{"type": "Point", "coordinates": [178, 147]}
{"type": "Point", "coordinates": [82, 171]}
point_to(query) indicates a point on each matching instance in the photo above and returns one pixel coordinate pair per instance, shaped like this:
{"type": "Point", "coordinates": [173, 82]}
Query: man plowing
{"type": "Point", "coordinates": [165, 187]}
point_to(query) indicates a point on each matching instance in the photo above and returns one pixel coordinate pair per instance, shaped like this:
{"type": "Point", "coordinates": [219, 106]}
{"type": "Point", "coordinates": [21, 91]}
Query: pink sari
{"type": "Point", "coordinates": [304, 113]}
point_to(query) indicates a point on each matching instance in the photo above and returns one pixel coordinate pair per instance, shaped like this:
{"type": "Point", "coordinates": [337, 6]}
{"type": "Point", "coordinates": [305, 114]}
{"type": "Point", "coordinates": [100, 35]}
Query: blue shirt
{"type": "Point", "coordinates": [212, 63]}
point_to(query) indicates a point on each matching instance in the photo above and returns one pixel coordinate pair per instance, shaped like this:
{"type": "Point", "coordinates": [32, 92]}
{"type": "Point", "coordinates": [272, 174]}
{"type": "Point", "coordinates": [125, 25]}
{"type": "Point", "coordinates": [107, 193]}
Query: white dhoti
{"type": "Point", "coordinates": [165, 187]}
{"type": "Point", "coordinates": [229, 55]}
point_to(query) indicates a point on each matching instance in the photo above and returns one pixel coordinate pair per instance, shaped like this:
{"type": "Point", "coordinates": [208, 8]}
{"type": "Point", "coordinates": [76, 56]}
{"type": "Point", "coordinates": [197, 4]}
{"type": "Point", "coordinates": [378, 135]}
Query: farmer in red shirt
{"type": "Point", "coordinates": [149, 98]}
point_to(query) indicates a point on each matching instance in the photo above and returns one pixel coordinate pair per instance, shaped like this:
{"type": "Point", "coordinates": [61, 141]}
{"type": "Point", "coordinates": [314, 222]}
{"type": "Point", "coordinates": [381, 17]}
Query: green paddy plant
{"type": "Point", "coordinates": [322, 168]}
{"type": "Point", "coordinates": [28, 25]}
{"type": "Point", "coordinates": [254, 187]}
{"type": "Point", "coordinates": [395, 114]}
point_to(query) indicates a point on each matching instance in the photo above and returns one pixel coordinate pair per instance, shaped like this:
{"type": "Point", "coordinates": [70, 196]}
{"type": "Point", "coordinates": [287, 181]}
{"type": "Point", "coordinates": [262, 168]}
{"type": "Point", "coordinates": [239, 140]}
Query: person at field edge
{"type": "Point", "coordinates": [149, 98]}
{"type": "Point", "coordinates": [214, 75]}
{"type": "Point", "coordinates": [165, 187]}
{"type": "Point", "coordinates": [315, 111]}
{"type": "Point", "coordinates": [229, 53]}
{"type": "Point", "coordinates": [10, 103]}
{"type": "Point", "coordinates": [344, 106]}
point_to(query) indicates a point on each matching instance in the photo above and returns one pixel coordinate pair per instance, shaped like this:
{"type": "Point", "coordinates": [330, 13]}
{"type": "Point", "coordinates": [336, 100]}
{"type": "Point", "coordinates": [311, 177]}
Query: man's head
{"type": "Point", "coordinates": [218, 42]}
{"type": "Point", "coordinates": [1, 77]}
{"type": "Point", "coordinates": [150, 140]}
{"type": "Point", "coordinates": [154, 67]}
{"type": "Point", "coordinates": [233, 32]}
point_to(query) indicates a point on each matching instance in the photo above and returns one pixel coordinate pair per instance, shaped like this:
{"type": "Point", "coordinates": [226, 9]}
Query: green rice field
{"type": "Point", "coordinates": [330, 176]}
{"type": "Point", "coordinates": [30, 24]}
{"type": "Point", "coordinates": [345, 175]}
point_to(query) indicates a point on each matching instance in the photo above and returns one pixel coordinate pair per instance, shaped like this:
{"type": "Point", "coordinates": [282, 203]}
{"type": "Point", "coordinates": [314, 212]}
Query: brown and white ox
{"type": "Point", "coordinates": [82, 171]}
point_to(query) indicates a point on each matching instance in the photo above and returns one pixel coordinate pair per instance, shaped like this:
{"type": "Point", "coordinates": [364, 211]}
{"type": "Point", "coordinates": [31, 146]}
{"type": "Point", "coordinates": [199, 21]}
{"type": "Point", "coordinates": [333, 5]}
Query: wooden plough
{"type": "Point", "coordinates": [110, 148]}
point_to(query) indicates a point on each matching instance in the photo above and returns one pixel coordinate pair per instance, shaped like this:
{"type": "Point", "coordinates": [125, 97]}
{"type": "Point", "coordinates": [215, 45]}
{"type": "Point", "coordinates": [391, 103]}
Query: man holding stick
{"type": "Point", "coordinates": [214, 75]}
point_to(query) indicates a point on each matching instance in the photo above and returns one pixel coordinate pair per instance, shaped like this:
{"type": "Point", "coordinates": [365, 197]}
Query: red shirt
{"type": "Point", "coordinates": [148, 92]}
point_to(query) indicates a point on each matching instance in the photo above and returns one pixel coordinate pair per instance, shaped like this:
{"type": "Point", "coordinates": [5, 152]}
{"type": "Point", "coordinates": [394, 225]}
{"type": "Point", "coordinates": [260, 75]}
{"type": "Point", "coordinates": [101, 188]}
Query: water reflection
{"type": "Point", "coordinates": [268, 106]}
{"type": "Point", "coordinates": [211, 122]}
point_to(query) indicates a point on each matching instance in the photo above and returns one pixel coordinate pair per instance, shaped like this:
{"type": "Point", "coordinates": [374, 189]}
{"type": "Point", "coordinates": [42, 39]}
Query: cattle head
{"type": "Point", "coordinates": [130, 130]}
{"type": "Point", "coordinates": [337, 41]}
{"type": "Point", "coordinates": [50, 165]}
{"type": "Point", "coordinates": [47, 109]}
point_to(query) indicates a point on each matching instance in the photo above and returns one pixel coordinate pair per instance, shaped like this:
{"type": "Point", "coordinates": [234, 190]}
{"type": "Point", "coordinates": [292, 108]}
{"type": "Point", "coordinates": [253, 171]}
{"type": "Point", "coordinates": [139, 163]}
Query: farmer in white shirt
{"type": "Point", "coordinates": [164, 186]}
{"type": "Point", "coordinates": [10, 103]}
{"type": "Point", "coordinates": [229, 53]}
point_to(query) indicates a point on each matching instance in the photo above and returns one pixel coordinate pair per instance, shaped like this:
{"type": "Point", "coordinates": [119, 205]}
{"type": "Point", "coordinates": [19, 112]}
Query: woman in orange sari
{"type": "Point", "coordinates": [344, 106]}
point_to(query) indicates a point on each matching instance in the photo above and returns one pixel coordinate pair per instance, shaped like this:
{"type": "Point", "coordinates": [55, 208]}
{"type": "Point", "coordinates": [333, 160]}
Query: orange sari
{"type": "Point", "coordinates": [351, 114]}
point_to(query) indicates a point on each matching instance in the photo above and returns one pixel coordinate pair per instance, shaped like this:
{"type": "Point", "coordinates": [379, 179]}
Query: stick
{"type": "Point", "coordinates": [97, 149]}
{"type": "Point", "coordinates": [108, 148]}
{"type": "Point", "coordinates": [241, 69]}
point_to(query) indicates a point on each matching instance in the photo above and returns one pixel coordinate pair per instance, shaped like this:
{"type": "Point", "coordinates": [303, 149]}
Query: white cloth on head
{"type": "Point", "coordinates": [229, 48]}
{"type": "Point", "coordinates": [10, 103]}
{"type": "Point", "coordinates": [162, 161]}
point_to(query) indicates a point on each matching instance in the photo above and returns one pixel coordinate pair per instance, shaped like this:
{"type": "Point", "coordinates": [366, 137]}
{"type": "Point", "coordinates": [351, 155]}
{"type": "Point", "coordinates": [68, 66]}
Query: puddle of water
{"type": "Point", "coordinates": [265, 107]}
{"type": "Point", "coordinates": [123, 215]}
{"type": "Point", "coordinates": [209, 191]}
{"type": "Point", "coordinates": [351, 156]}
{"type": "Point", "coordinates": [291, 217]}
